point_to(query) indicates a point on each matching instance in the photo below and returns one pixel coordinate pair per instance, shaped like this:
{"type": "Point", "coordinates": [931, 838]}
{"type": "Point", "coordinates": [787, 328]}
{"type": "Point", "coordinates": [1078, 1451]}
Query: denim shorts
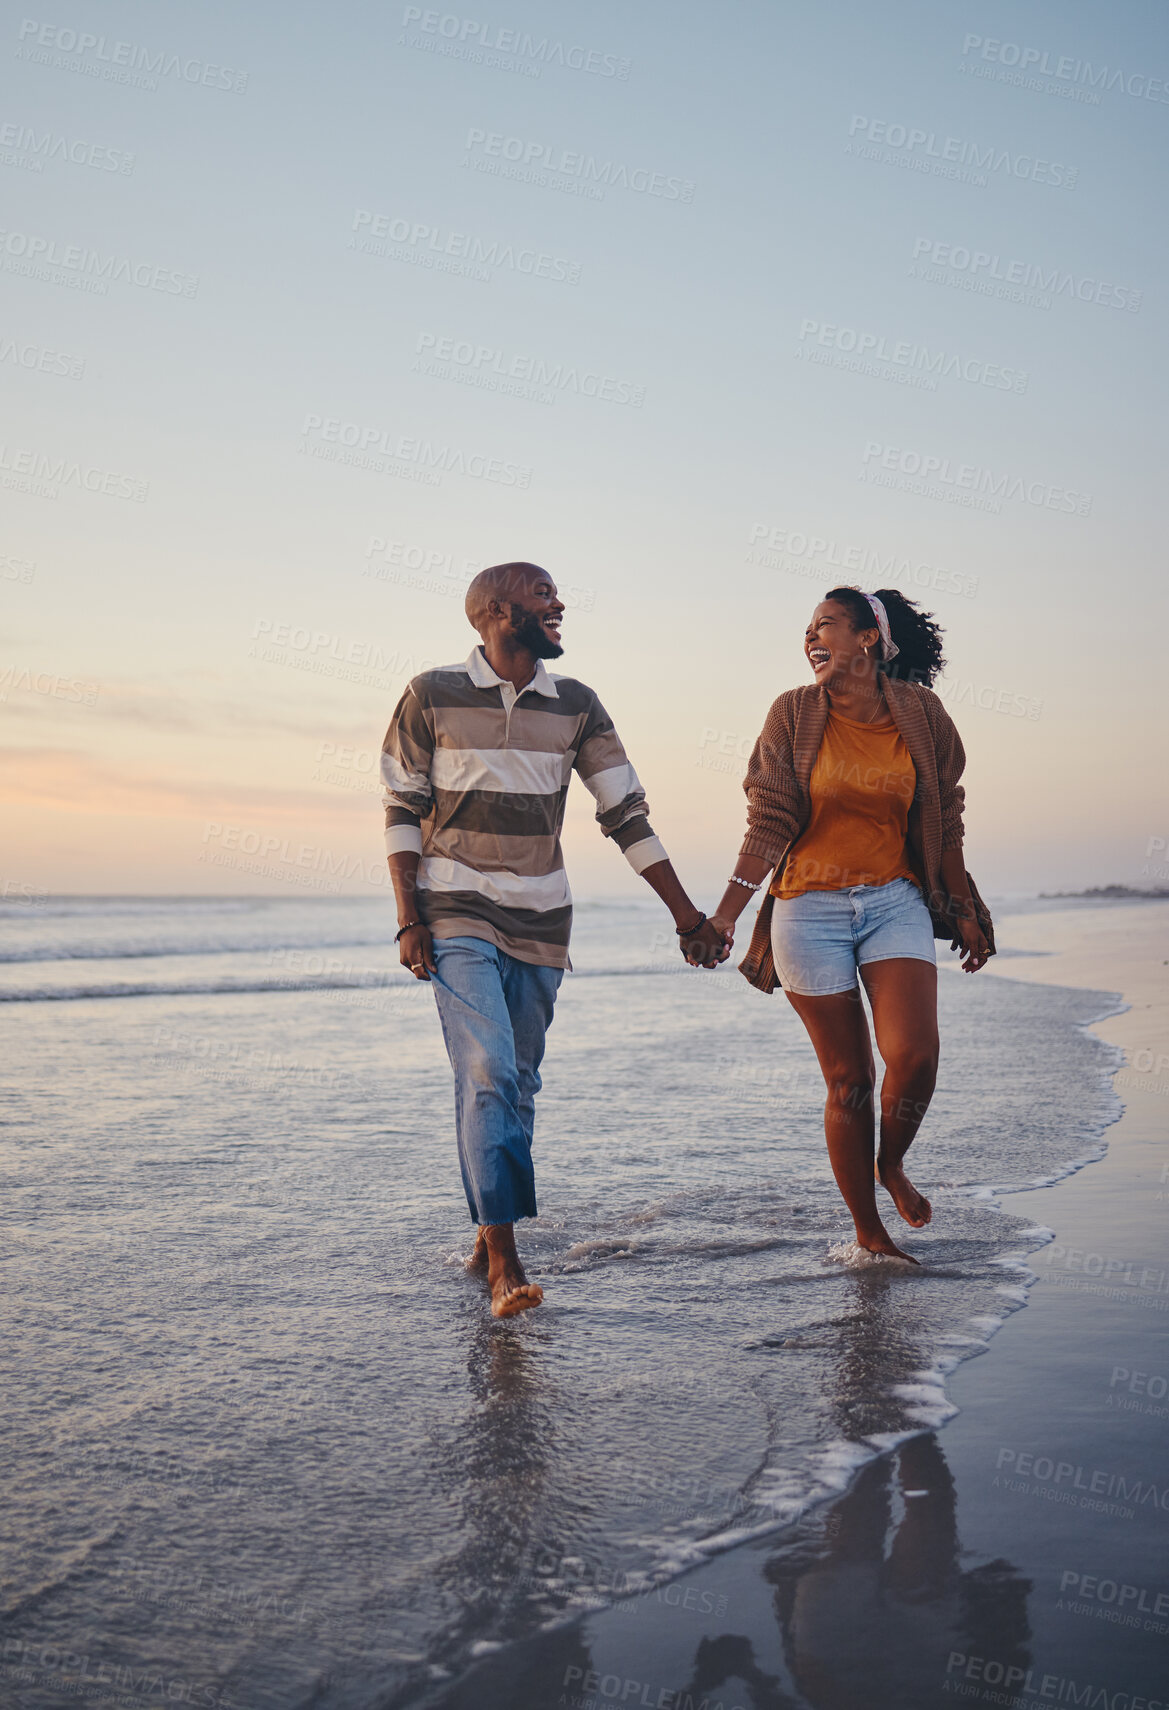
{"type": "Point", "coordinates": [821, 938]}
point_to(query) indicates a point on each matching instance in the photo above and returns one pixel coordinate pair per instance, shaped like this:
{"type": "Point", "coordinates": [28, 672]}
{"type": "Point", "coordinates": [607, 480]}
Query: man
{"type": "Point", "coordinates": [476, 766]}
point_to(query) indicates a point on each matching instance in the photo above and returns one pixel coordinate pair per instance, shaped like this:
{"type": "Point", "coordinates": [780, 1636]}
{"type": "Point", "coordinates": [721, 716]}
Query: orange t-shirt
{"type": "Point", "coordinates": [861, 789]}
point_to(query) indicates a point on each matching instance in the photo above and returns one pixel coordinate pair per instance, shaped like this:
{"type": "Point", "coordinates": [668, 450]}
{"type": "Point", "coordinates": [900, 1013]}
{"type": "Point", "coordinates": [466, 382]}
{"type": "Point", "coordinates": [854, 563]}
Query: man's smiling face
{"type": "Point", "coordinates": [535, 609]}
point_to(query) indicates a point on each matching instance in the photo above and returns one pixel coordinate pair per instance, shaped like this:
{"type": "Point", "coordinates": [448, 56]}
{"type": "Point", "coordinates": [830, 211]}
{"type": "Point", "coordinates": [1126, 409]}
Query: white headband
{"type": "Point", "coordinates": [889, 648]}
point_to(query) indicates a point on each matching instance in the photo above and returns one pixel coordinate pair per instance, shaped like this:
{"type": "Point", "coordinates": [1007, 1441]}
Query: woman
{"type": "Point", "coordinates": [855, 811]}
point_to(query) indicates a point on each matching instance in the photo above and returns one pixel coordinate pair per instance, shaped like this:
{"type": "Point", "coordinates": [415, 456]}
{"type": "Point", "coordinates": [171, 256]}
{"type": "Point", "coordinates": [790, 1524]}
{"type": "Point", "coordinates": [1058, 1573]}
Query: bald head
{"type": "Point", "coordinates": [517, 611]}
{"type": "Point", "coordinates": [507, 584]}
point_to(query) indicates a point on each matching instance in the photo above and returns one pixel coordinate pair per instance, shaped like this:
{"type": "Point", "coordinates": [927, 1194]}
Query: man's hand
{"type": "Point", "coordinates": [416, 952]}
{"type": "Point", "coordinates": [706, 947]}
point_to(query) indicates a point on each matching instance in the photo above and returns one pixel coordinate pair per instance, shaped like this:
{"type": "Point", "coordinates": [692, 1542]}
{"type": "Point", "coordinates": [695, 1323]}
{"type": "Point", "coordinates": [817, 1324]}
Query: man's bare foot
{"type": "Point", "coordinates": [480, 1259]}
{"type": "Point", "coordinates": [882, 1242]}
{"type": "Point", "coordinates": [913, 1207]}
{"type": "Point", "coordinates": [509, 1296]}
{"type": "Point", "coordinates": [511, 1292]}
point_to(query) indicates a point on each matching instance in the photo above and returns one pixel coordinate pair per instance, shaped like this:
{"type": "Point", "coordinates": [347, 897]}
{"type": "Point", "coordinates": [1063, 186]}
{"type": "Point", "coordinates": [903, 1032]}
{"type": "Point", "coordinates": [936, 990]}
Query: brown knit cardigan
{"type": "Point", "coordinates": [779, 805]}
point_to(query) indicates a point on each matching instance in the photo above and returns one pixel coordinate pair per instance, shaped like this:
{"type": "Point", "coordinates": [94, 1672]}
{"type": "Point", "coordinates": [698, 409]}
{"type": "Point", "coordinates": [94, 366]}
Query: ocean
{"type": "Point", "coordinates": [265, 1445]}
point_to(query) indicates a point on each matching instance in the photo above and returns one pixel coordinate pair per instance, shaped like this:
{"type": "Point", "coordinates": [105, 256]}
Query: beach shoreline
{"type": "Point", "coordinates": [1010, 1557]}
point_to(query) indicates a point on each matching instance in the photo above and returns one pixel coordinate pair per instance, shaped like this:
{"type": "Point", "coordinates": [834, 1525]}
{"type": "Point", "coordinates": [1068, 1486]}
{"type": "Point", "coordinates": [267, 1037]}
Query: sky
{"type": "Point", "coordinates": [312, 312]}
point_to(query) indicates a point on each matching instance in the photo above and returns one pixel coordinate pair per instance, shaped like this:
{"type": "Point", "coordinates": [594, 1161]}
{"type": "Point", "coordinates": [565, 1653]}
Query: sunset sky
{"type": "Point", "coordinates": [702, 308]}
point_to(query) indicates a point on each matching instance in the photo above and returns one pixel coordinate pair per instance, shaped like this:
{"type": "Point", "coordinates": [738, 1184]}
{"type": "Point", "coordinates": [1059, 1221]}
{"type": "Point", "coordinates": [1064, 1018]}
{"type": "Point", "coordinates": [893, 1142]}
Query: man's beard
{"type": "Point", "coordinates": [529, 631]}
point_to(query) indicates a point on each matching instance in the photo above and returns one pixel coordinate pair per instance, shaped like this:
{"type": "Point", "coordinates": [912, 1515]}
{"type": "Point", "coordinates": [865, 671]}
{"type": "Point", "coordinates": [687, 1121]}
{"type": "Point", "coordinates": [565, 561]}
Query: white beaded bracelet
{"type": "Point", "coordinates": [746, 883]}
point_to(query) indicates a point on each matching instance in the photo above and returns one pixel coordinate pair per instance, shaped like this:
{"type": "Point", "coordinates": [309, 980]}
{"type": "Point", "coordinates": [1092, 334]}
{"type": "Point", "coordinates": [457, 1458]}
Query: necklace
{"type": "Point", "coordinates": [881, 710]}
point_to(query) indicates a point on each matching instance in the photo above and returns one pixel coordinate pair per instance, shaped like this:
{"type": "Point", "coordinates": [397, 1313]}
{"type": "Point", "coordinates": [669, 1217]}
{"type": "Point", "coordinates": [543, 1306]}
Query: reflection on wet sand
{"type": "Point", "coordinates": [880, 1601]}
{"type": "Point", "coordinates": [863, 1601]}
{"type": "Point", "coordinates": [491, 1466]}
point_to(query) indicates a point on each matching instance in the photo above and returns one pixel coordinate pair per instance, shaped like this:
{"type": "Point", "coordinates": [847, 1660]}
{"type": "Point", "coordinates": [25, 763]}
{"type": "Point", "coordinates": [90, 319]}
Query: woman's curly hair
{"type": "Point", "coordinates": [914, 632]}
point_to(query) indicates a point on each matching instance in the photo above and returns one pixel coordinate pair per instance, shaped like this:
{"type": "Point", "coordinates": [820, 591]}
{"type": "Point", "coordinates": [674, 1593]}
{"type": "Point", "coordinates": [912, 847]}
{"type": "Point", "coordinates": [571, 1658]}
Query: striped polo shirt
{"type": "Point", "coordinates": [475, 778]}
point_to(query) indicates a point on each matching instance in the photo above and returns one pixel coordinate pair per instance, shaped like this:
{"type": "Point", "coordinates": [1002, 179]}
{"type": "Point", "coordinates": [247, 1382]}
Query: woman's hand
{"type": "Point", "coordinates": [416, 951]}
{"type": "Point", "coordinates": [726, 928]}
{"type": "Point", "coordinates": [975, 949]}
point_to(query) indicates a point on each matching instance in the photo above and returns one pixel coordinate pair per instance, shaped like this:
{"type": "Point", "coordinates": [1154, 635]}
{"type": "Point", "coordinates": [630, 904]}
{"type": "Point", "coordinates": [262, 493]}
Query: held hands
{"type": "Point", "coordinates": [723, 924]}
{"type": "Point", "coordinates": [708, 945]}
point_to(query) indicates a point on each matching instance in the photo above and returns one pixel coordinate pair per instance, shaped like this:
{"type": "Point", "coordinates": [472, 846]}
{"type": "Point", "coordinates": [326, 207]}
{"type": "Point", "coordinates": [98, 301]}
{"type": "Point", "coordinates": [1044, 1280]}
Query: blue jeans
{"type": "Point", "coordinates": [495, 1011]}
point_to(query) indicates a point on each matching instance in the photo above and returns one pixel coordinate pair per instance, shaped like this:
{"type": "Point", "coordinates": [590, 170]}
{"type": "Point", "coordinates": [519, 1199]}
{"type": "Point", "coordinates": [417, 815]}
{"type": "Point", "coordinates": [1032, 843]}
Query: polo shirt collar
{"type": "Point", "coordinates": [483, 677]}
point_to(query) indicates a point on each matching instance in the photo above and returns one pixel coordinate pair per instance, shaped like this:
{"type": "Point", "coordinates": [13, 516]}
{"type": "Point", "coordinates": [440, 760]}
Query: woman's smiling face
{"type": "Point", "coordinates": [833, 648]}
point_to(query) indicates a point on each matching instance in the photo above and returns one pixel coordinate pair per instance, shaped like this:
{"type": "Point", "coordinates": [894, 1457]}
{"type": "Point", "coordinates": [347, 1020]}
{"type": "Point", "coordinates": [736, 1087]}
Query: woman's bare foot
{"type": "Point", "coordinates": [913, 1207]}
{"type": "Point", "coordinates": [882, 1242]}
{"type": "Point", "coordinates": [511, 1292]}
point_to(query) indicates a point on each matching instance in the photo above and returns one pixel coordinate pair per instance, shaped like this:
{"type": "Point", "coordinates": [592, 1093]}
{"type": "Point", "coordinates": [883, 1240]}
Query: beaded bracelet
{"type": "Point", "coordinates": [408, 926]}
{"type": "Point", "coordinates": [746, 883]}
{"type": "Point", "coordinates": [689, 931]}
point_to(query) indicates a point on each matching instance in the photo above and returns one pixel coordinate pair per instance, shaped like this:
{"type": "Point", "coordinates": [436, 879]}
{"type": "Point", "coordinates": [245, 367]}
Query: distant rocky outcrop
{"type": "Point", "coordinates": [1125, 892]}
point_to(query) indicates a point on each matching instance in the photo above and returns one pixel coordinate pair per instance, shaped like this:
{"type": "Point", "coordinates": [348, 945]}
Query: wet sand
{"type": "Point", "coordinates": [1015, 1557]}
